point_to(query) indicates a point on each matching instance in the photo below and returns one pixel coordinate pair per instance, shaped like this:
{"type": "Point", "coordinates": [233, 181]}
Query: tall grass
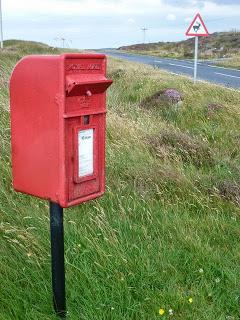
{"type": "Point", "coordinates": [167, 229]}
{"type": "Point", "coordinates": [233, 62]}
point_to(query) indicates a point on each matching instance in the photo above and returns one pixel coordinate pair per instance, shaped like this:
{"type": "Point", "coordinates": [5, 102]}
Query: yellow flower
{"type": "Point", "coordinates": [190, 300]}
{"type": "Point", "coordinates": [161, 312]}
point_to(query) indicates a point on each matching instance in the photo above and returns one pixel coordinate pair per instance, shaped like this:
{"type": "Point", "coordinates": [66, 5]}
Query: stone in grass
{"type": "Point", "coordinates": [167, 97]}
{"type": "Point", "coordinates": [173, 96]}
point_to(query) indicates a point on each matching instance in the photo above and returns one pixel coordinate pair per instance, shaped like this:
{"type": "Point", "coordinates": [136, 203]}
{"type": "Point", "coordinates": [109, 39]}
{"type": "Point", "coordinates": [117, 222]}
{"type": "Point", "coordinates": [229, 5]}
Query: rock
{"type": "Point", "coordinates": [173, 95]}
{"type": "Point", "coordinates": [165, 98]}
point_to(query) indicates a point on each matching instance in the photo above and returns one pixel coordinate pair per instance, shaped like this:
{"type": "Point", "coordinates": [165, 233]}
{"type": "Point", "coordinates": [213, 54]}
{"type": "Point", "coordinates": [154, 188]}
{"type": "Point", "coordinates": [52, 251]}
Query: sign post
{"type": "Point", "coordinates": [1, 26]}
{"type": "Point", "coordinates": [195, 59]}
{"type": "Point", "coordinates": [197, 29]}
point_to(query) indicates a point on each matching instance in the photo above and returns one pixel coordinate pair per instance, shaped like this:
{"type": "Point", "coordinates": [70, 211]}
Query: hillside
{"type": "Point", "coordinates": [217, 45]}
{"type": "Point", "coordinates": [166, 233]}
{"type": "Point", "coordinates": [22, 47]}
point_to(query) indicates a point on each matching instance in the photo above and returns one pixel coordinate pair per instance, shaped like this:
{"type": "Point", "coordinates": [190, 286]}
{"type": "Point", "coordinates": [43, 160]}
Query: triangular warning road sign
{"type": "Point", "coordinates": [197, 28]}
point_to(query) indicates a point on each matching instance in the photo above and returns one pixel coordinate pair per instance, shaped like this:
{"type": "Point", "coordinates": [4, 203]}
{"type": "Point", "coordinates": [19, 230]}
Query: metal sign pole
{"type": "Point", "coordinates": [1, 26]}
{"type": "Point", "coordinates": [57, 253]}
{"type": "Point", "coordinates": [196, 59]}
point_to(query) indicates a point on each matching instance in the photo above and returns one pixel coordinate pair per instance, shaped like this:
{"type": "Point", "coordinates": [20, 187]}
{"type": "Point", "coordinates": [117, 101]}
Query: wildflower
{"type": "Point", "coordinates": [170, 312]}
{"type": "Point", "coordinates": [190, 300]}
{"type": "Point", "coordinates": [217, 280]}
{"type": "Point", "coordinates": [161, 312]}
{"type": "Point", "coordinates": [200, 270]}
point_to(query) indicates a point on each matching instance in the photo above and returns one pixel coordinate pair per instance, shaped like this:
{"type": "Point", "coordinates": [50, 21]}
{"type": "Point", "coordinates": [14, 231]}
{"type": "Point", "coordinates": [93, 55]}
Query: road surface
{"type": "Point", "coordinates": [206, 71]}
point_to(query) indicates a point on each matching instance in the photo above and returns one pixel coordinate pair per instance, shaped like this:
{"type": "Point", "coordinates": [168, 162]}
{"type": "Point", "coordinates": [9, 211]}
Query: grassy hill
{"type": "Point", "coordinates": [217, 45]}
{"type": "Point", "coordinates": [21, 47]}
{"type": "Point", "coordinates": [166, 233]}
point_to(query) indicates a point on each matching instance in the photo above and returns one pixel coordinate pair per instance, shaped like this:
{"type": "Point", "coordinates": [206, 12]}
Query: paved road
{"type": "Point", "coordinates": [224, 76]}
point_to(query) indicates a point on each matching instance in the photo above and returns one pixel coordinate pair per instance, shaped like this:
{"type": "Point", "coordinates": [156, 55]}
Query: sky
{"type": "Point", "coordinates": [112, 23]}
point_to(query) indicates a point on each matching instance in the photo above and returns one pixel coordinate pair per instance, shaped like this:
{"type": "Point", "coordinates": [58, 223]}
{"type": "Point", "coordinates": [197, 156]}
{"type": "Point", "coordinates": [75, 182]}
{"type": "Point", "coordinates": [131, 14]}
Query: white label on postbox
{"type": "Point", "coordinates": [85, 152]}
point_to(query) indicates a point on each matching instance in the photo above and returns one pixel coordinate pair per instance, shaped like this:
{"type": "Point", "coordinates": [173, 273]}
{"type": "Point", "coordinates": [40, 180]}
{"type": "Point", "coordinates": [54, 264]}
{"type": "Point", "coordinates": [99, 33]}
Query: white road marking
{"type": "Point", "coordinates": [179, 65]}
{"type": "Point", "coordinates": [199, 63]}
{"type": "Point", "coordinates": [206, 82]}
{"type": "Point", "coordinates": [218, 67]}
{"type": "Point", "coordinates": [226, 75]}
{"type": "Point", "coordinates": [176, 74]}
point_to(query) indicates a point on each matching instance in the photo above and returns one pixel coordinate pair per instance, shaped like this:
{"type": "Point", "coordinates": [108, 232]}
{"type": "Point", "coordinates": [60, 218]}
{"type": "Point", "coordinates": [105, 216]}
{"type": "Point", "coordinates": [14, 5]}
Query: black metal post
{"type": "Point", "coordinates": [57, 253]}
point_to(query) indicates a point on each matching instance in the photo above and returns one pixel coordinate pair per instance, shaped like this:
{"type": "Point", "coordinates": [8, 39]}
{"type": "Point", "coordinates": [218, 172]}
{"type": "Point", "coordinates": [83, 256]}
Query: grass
{"type": "Point", "coordinates": [167, 228]}
{"type": "Point", "coordinates": [233, 62]}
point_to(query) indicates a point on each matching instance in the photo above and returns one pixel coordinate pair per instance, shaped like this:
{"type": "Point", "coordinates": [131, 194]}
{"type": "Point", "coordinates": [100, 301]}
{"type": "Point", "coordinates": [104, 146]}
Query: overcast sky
{"type": "Point", "coordinates": [112, 23]}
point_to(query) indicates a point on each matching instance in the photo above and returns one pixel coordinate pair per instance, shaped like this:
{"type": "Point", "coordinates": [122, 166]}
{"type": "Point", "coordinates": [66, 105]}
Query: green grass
{"type": "Point", "coordinates": [167, 228]}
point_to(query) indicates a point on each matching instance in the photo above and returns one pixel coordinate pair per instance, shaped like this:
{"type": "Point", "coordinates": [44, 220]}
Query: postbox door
{"type": "Point", "coordinates": [86, 153]}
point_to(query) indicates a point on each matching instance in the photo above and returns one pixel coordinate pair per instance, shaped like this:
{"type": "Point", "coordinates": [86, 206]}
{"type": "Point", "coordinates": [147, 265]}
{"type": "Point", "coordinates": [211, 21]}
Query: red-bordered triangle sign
{"type": "Point", "coordinates": [197, 28]}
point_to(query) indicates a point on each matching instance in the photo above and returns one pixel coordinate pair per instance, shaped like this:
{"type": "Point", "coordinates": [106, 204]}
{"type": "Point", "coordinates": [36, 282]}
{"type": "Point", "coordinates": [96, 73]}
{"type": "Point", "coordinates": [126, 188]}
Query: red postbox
{"type": "Point", "coordinates": [58, 122]}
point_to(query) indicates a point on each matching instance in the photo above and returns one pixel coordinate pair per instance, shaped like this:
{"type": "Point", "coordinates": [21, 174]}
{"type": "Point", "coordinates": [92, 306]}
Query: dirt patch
{"type": "Point", "coordinates": [167, 97]}
{"type": "Point", "coordinates": [230, 191]}
{"type": "Point", "coordinates": [237, 140]}
{"type": "Point", "coordinates": [117, 74]}
{"type": "Point", "coordinates": [213, 108]}
{"type": "Point", "coordinates": [191, 149]}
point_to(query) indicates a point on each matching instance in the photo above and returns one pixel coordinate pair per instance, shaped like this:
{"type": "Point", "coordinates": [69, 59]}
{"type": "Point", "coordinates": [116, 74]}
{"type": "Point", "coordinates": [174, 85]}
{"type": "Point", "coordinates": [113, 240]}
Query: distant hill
{"type": "Point", "coordinates": [27, 47]}
{"type": "Point", "coordinates": [217, 45]}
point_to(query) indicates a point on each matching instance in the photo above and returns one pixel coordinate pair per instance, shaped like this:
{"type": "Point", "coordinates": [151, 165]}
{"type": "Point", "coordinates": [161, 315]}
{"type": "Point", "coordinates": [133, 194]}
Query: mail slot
{"type": "Point", "coordinates": [58, 123]}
